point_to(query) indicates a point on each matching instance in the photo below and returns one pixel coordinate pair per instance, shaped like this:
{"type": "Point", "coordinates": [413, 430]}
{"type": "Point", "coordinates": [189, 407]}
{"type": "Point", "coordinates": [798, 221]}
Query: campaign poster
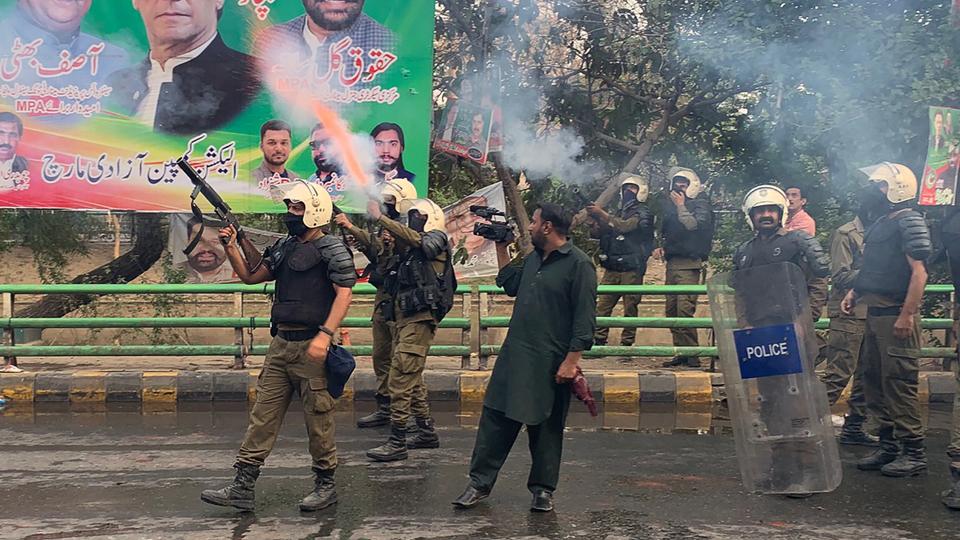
{"type": "Point", "coordinates": [465, 130]}
{"type": "Point", "coordinates": [473, 256]}
{"type": "Point", "coordinates": [938, 185]}
{"type": "Point", "coordinates": [99, 98]}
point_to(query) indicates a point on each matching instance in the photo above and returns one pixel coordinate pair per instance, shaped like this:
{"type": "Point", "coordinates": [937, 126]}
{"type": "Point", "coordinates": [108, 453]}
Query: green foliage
{"type": "Point", "coordinates": [54, 237]}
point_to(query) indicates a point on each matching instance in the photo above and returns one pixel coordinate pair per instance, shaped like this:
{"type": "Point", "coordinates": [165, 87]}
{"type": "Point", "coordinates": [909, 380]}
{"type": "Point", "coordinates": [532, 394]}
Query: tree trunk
{"type": "Point", "coordinates": [147, 247]}
{"type": "Point", "coordinates": [514, 202]}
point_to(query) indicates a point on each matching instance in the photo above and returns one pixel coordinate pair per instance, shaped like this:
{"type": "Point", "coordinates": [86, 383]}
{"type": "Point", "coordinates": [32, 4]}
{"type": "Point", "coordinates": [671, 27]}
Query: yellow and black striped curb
{"type": "Point", "coordinates": [682, 388]}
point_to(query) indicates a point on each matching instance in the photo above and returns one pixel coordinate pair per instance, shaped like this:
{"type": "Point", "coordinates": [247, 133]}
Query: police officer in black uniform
{"type": "Point", "coordinates": [765, 208]}
{"type": "Point", "coordinates": [314, 276]}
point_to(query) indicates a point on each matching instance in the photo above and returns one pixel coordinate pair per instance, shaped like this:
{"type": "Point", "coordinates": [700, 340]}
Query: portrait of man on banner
{"type": "Point", "coordinates": [336, 44]}
{"type": "Point", "coordinates": [13, 167]}
{"type": "Point", "coordinates": [190, 81]}
{"type": "Point", "coordinates": [41, 44]}
{"type": "Point", "coordinates": [466, 131]}
{"type": "Point", "coordinates": [938, 184]}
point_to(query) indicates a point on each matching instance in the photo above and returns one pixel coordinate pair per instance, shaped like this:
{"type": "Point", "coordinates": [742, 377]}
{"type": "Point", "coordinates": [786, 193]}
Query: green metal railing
{"type": "Point", "coordinates": [473, 322]}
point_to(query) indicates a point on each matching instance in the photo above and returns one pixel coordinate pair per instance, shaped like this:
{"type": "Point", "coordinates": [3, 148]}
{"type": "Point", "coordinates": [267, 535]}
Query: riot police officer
{"type": "Point", "coordinates": [380, 249]}
{"type": "Point", "coordinates": [891, 282]}
{"type": "Point", "coordinates": [765, 208]}
{"type": "Point", "coordinates": [686, 235]}
{"type": "Point", "coordinates": [950, 237]}
{"type": "Point", "coordinates": [626, 242]}
{"type": "Point", "coordinates": [422, 286]}
{"type": "Point", "coordinates": [314, 275]}
{"type": "Point", "coordinates": [846, 331]}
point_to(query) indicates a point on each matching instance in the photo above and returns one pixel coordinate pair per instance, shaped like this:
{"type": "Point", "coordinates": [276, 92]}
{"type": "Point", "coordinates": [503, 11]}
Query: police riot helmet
{"type": "Point", "coordinates": [433, 213]}
{"type": "Point", "coordinates": [318, 209]}
{"type": "Point", "coordinates": [765, 195]}
{"type": "Point", "coordinates": [901, 182]}
{"type": "Point", "coordinates": [643, 187]}
{"type": "Point", "coordinates": [399, 189]}
{"type": "Point", "coordinates": [695, 185]}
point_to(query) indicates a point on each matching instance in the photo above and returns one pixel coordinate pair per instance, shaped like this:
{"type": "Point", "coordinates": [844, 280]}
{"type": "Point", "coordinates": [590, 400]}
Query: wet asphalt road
{"type": "Point", "coordinates": [117, 473]}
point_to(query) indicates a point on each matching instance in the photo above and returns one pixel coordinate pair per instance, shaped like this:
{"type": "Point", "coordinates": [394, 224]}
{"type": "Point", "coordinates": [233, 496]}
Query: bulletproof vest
{"type": "Point", "coordinates": [626, 252]}
{"type": "Point", "coordinates": [304, 293]}
{"type": "Point", "coordinates": [885, 270]}
{"type": "Point", "coordinates": [680, 242]}
{"type": "Point", "coordinates": [750, 259]}
{"type": "Point", "coordinates": [950, 237]}
{"type": "Point", "coordinates": [417, 287]}
{"type": "Point", "coordinates": [780, 248]}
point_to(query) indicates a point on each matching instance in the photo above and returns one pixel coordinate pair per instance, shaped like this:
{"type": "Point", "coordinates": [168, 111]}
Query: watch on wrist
{"type": "Point", "coordinates": [326, 330]}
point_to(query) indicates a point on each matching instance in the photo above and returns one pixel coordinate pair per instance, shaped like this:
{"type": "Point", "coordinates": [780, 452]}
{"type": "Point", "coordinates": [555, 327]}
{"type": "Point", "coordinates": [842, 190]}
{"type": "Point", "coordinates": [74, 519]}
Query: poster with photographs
{"type": "Point", "coordinates": [99, 98]}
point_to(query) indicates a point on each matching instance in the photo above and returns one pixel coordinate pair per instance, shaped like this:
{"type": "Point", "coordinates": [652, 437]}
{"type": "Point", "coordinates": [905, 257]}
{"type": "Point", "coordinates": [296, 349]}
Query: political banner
{"type": "Point", "coordinates": [473, 256]}
{"type": "Point", "coordinates": [938, 185]}
{"type": "Point", "coordinates": [99, 98]}
{"type": "Point", "coordinates": [466, 131]}
{"type": "Point", "coordinates": [207, 261]}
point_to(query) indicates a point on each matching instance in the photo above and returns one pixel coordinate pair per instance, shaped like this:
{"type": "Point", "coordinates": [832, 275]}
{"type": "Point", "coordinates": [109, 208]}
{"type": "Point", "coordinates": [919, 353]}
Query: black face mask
{"type": "Point", "coordinates": [295, 225]}
{"type": "Point", "coordinates": [416, 221]}
{"type": "Point", "coordinates": [390, 209]}
{"type": "Point", "coordinates": [873, 204]}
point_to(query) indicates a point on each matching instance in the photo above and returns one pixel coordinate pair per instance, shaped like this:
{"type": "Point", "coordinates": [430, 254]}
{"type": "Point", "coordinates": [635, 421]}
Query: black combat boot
{"type": "Point", "coordinates": [324, 492]}
{"type": "Point", "coordinates": [676, 361]}
{"type": "Point", "coordinates": [238, 494]}
{"type": "Point", "coordinates": [379, 417]}
{"type": "Point", "coordinates": [426, 435]}
{"type": "Point", "coordinates": [911, 462]}
{"type": "Point", "coordinates": [951, 497]}
{"type": "Point", "coordinates": [395, 448]}
{"type": "Point", "coordinates": [853, 433]}
{"type": "Point", "coordinates": [888, 451]}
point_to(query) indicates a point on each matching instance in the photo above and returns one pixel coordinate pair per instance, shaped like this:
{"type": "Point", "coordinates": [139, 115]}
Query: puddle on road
{"type": "Point", "coordinates": [662, 418]}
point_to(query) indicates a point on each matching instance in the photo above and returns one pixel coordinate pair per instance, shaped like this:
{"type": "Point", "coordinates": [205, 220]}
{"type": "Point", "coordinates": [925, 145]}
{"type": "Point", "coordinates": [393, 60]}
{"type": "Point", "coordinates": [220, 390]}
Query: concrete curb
{"type": "Point", "coordinates": [686, 389]}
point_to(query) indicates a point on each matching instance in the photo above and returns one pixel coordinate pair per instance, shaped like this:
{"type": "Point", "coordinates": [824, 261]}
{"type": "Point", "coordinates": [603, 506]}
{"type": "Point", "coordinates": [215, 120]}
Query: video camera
{"type": "Point", "coordinates": [499, 229]}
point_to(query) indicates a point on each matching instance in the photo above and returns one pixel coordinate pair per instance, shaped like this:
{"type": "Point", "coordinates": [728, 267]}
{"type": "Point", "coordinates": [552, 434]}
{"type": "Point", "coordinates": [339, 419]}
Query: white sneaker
{"type": "Point", "coordinates": [10, 368]}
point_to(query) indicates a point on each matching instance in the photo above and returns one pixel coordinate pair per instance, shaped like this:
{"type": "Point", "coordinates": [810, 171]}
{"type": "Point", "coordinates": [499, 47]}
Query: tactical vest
{"type": "Point", "coordinates": [304, 292]}
{"type": "Point", "coordinates": [780, 248]}
{"type": "Point", "coordinates": [750, 259]}
{"type": "Point", "coordinates": [680, 242]}
{"type": "Point", "coordinates": [626, 252]}
{"type": "Point", "coordinates": [885, 270]}
{"type": "Point", "coordinates": [417, 287]}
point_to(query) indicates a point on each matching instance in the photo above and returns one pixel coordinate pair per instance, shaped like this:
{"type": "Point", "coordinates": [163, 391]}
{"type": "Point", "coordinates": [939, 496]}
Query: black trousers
{"type": "Point", "coordinates": [495, 438]}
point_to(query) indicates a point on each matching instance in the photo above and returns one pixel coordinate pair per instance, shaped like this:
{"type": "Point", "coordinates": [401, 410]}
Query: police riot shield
{"type": "Point", "coordinates": [778, 407]}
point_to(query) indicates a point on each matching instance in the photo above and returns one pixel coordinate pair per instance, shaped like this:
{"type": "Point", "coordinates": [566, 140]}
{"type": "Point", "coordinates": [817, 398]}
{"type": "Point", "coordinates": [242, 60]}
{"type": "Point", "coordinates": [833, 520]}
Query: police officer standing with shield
{"type": "Point", "coordinates": [626, 242]}
{"type": "Point", "coordinates": [891, 283]}
{"type": "Point", "coordinates": [765, 208]}
{"type": "Point", "coordinates": [380, 248]}
{"type": "Point", "coordinates": [314, 276]}
{"type": "Point", "coordinates": [422, 285]}
{"type": "Point", "coordinates": [686, 229]}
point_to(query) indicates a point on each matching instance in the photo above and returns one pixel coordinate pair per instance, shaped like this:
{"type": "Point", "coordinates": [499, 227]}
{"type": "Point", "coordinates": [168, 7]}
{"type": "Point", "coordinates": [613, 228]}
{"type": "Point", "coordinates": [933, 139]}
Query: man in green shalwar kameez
{"type": "Point", "coordinates": [553, 323]}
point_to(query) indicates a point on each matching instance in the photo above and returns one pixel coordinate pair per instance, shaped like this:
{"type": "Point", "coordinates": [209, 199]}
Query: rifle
{"type": "Point", "coordinates": [581, 198]}
{"type": "Point", "coordinates": [220, 206]}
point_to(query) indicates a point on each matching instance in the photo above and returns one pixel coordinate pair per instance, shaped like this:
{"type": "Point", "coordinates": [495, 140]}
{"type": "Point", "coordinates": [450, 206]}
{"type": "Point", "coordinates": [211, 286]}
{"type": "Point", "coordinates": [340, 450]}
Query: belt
{"type": "Point", "coordinates": [297, 335]}
{"type": "Point", "coordinates": [884, 311]}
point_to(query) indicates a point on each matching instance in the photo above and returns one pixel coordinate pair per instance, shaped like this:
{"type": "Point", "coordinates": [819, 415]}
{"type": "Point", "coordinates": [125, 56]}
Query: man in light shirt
{"type": "Point", "coordinates": [323, 24]}
{"type": "Point", "coordinates": [191, 81]}
{"type": "Point", "coordinates": [797, 217]}
{"type": "Point", "coordinates": [11, 131]}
